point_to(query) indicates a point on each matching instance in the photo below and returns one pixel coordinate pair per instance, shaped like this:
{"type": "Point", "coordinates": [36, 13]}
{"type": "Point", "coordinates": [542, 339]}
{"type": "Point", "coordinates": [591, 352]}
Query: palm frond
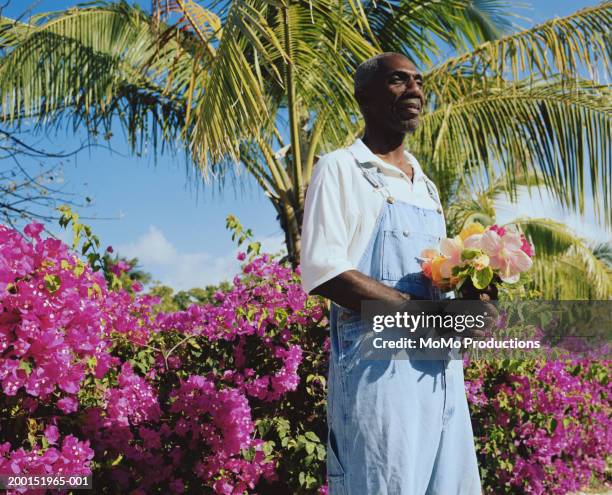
{"type": "Point", "coordinates": [558, 46]}
{"type": "Point", "coordinates": [565, 267]}
{"type": "Point", "coordinates": [417, 27]}
{"type": "Point", "coordinates": [491, 19]}
{"type": "Point", "coordinates": [549, 237]}
{"type": "Point", "coordinates": [320, 44]}
{"type": "Point", "coordinates": [546, 129]}
{"type": "Point", "coordinates": [467, 207]}
{"type": "Point", "coordinates": [574, 276]}
{"type": "Point", "coordinates": [471, 200]}
{"type": "Point", "coordinates": [88, 65]}
{"type": "Point", "coordinates": [603, 252]}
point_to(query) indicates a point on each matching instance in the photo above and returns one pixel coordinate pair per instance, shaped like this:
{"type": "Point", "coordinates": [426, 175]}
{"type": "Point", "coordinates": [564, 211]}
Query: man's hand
{"type": "Point", "coordinates": [352, 287]}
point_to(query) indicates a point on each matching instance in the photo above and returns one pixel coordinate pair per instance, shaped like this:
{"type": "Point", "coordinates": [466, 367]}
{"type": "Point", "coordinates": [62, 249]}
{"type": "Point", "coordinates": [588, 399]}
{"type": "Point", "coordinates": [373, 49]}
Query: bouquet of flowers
{"type": "Point", "coordinates": [478, 259]}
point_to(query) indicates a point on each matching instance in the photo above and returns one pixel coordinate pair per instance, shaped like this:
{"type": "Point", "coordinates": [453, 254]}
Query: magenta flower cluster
{"type": "Point", "coordinates": [64, 342]}
{"type": "Point", "coordinates": [72, 458]}
{"type": "Point", "coordinates": [251, 309]}
{"type": "Point", "coordinates": [542, 427]}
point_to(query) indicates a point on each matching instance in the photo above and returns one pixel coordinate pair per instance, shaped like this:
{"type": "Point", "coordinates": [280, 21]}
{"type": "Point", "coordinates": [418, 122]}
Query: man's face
{"type": "Point", "coordinates": [394, 98]}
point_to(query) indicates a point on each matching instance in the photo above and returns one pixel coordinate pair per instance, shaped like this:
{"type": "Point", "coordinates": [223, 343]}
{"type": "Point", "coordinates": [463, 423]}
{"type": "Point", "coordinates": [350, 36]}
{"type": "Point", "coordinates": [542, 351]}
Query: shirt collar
{"type": "Point", "coordinates": [363, 154]}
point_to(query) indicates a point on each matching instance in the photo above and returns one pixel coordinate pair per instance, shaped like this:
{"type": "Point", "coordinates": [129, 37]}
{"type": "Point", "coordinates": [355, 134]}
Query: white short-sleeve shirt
{"type": "Point", "coordinates": [341, 208]}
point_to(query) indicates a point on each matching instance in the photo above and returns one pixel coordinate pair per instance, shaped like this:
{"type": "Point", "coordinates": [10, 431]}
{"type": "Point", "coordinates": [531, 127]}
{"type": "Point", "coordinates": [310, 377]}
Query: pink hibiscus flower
{"type": "Point", "coordinates": [505, 254]}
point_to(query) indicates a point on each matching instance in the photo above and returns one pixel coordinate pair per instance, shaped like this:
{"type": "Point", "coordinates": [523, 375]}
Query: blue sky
{"type": "Point", "coordinates": [176, 228]}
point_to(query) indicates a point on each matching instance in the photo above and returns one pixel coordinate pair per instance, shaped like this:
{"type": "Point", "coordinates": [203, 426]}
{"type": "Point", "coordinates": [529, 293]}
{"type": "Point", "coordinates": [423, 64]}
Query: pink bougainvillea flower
{"type": "Point", "coordinates": [119, 267]}
{"type": "Point", "coordinates": [52, 434]}
{"type": "Point", "coordinates": [33, 230]}
{"type": "Point", "coordinates": [505, 254]}
{"type": "Point", "coordinates": [56, 323]}
{"type": "Point", "coordinates": [68, 405]}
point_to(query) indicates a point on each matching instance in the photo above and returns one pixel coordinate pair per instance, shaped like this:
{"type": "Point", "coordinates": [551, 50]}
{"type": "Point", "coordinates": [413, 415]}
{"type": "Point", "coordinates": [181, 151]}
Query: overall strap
{"type": "Point", "coordinates": [375, 180]}
{"type": "Point", "coordinates": [432, 190]}
{"type": "Point", "coordinates": [378, 181]}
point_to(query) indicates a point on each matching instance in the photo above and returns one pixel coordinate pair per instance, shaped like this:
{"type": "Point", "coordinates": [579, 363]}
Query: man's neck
{"type": "Point", "coordinates": [388, 145]}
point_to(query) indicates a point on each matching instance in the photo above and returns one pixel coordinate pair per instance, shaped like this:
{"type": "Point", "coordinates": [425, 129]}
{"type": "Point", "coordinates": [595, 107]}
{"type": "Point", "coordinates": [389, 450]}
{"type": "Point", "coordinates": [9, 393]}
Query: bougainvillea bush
{"type": "Point", "coordinates": [541, 427]}
{"type": "Point", "coordinates": [96, 380]}
{"type": "Point", "coordinates": [228, 396]}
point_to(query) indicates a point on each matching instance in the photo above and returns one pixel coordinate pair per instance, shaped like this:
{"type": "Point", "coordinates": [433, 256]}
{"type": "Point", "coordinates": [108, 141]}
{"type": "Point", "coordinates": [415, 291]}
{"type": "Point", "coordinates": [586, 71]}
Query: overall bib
{"type": "Point", "coordinates": [397, 427]}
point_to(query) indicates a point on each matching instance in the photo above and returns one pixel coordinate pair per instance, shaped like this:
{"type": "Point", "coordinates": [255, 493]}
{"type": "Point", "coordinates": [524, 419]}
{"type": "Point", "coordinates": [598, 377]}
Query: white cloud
{"type": "Point", "coordinates": [157, 255]}
{"type": "Point", "coordinates": [273, 244]}
{"type": "Point", "coordinates": [151, 248]}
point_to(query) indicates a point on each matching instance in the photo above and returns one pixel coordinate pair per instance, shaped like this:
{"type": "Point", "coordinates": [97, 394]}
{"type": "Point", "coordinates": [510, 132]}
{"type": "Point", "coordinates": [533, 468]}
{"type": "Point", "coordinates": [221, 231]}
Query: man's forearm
{"type": "Point", "coordinates": [351, 287]}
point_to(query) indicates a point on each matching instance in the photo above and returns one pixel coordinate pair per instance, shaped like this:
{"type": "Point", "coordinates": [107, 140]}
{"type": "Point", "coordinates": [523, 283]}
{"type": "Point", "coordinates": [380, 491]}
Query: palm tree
{"type": "Point", "coordinates": [224, 79]}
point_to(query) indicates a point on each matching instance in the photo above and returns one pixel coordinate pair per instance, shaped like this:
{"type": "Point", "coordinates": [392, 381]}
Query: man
{"type": "Point", "coordinates": [397, 427]}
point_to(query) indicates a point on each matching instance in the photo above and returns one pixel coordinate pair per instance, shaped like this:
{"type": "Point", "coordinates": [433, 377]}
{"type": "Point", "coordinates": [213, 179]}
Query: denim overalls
{"type": "Point", "coordinates": [397, 427]}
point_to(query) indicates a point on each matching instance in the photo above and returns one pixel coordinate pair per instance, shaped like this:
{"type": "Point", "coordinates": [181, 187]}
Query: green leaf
{"type": "Point", "coordinates": [268, 448]}
{"type": "Point", "coordinates": [85, 247]}
{"type": "Point", "coordinates": [462, 272]}
{"type": "Point", "coordinates": [310, 435]}
{"type": "Point", "coordinates": [321, 452]}
{"type": "Point", "coordinates": [254, 247]}
{"type": "Point", "coordinates": [482, 278]}
{"type": "Point", "coordinates": [194, 344]}
{"type": "Point", "coordinates": [52, 282]}
{"type": "Point", "coordinates": [468, 254]}
{"type": "Point", "coordinates": [79, 269]}
{"type": "Point", "coordinates": [24, 365]}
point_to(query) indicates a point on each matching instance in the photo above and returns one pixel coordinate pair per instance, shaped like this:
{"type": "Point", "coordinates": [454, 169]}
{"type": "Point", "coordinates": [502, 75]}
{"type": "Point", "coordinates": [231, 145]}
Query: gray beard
{"type": "Point", "coordinates": [408, 126]}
